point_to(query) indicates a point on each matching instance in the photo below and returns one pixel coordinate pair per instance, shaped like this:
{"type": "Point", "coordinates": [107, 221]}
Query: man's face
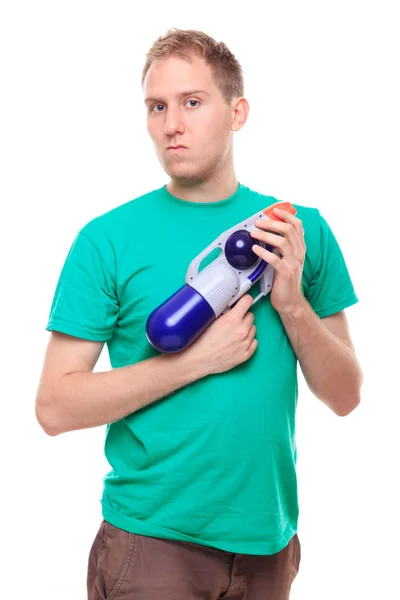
{"type": "Point", "coordinates": [177, 114]}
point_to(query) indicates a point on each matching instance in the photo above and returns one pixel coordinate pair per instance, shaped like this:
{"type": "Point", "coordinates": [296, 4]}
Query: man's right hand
{"type": "Point", "coordinates": [228, 341]}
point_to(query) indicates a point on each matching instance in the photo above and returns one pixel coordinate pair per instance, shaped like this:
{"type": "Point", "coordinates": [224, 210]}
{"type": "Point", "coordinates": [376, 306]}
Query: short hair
{"type": "Point", "coordinates": [225, 68]}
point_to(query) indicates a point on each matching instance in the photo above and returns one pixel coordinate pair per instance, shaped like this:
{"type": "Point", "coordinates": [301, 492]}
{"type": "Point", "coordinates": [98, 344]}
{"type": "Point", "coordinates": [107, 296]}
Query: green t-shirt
{"type": "Point", "coordinates": [214, 462]}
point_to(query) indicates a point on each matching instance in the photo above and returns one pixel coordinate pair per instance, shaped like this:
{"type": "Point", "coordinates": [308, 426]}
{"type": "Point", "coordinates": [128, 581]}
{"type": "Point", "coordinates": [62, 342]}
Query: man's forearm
{"type": "Point", "coordinates": [85, 399]}
{"type": "Point", "coordinates": [329, 365]}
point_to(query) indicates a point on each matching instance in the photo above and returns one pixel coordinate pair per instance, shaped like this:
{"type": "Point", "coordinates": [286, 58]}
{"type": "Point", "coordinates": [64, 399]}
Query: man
{"type": "Point", "coordinates": [201, 500]}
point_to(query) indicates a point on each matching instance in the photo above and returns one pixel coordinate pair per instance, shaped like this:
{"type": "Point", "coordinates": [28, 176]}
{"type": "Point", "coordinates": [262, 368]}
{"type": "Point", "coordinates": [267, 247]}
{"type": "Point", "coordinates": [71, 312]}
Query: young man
{"type": "Point", "coordinates": [201, 500]}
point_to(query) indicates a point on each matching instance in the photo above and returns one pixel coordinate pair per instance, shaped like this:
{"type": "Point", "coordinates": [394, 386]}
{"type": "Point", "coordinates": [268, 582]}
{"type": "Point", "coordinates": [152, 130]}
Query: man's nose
{"type": "Point", "coordinates": [173, 121]}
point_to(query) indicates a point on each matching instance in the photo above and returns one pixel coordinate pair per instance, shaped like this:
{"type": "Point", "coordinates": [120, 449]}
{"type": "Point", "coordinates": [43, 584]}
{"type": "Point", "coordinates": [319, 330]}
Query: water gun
{"type": "Point", "coordinates": [181, 318]}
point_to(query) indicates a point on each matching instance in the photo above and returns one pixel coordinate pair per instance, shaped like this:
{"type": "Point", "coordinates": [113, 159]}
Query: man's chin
{"type": "Point", "coordinates": [188, 181]}
{"type": "Point", "coordinates": [181, 172]}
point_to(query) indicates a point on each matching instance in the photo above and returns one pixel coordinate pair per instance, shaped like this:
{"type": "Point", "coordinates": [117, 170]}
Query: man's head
{"type": "Point", "coordinates": [177, 65]}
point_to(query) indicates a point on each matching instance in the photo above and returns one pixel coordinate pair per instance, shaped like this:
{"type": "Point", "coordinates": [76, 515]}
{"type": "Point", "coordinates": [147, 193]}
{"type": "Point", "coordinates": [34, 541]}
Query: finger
{"type": "Point", "coordinates": [253, 346]}
{"type": "Point", "coordinates": [289, 218]}
{"type": "Point", "coordinates": [242, 305]}
{"type": "Point", "coordinates": [271, 258]}
{"type": "Point", "coordinates": [297, 224]}
{"type": "Point", "coordinates": [252, 332]}
{"type": "Point", "coordinates": [284, 248]}
{"type": "Point", "coordinates": [281, 227]}
{"type": "Point", "coordinates": [248, 320]}
{"type": "Point", "coordinates": [294, 244]}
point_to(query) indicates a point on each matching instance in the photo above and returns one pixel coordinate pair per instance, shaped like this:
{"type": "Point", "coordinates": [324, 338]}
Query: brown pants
{"type": "Point", "coordinates": [129, 566]}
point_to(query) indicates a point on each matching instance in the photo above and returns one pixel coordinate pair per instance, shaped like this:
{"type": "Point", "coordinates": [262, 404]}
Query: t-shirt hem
{"type": "Point", "coordinates": [336, 306]}
{"type": "Point", "coordinates": [77, 331]}
{"type": "Point", "coordinates": [148, 529]}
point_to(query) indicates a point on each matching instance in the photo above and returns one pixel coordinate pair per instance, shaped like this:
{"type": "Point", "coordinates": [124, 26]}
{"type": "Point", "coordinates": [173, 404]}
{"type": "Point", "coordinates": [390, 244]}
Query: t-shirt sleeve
{"type": "Point", "coordinates": [85, 302]}
{"type": "Point", "coordinates": [331, 289]}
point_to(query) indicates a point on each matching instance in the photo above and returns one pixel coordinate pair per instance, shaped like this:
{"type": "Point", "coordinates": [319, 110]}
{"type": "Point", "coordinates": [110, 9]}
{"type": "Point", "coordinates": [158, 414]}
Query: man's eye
{"type": "Point", "coordinates": [158, 105]}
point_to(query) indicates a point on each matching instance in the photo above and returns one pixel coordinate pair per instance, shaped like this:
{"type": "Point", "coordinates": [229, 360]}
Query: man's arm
{"type": "Point", "coordinates": [326, 356]}
{"type": "Point", "coordinates": [70, 396]}
{"type": "Point", "coordinates": [322, 346]}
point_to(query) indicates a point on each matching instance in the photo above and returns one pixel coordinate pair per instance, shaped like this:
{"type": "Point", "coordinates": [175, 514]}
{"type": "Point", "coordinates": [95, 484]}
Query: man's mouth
{"type": "Point", "coordinates": [174, 149]}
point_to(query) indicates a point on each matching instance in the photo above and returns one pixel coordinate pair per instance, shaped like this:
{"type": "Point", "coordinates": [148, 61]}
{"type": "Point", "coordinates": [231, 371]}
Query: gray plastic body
{"type": "Point", "coordinates": [221, 284]}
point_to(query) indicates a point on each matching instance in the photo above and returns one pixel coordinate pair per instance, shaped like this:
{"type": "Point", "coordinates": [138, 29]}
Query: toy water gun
{"type": "Point", "coordinates": [182, 317]}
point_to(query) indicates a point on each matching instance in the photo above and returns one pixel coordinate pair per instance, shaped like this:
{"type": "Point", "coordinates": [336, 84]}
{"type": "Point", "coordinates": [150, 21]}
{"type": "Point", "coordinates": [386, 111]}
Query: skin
{"type": "Point", "coordinates": [323, 346]}
{"type": "Point", "coordinates": [203, 122]}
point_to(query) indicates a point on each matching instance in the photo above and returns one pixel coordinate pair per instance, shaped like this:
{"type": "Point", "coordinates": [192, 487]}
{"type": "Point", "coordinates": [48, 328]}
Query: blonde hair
{"type": "Point", "coordinates": [225, 68]}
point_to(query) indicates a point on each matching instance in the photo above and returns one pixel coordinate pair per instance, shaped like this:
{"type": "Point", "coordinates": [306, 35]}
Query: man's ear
{"type": "Point", "coordinates": [240, 112]}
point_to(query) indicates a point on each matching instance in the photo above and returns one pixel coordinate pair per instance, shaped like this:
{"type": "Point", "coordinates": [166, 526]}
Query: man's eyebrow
{"type": "Point", "coordinates": [180, 95]}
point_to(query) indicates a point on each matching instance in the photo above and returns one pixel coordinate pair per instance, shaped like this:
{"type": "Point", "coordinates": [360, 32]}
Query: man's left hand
{"type": "Point", "coordinates": [286, 293]}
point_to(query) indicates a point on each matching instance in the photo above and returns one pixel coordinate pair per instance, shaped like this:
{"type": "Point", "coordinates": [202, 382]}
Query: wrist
{"type": "Point", "coordinates": [185, 365]}
{"type": "Point", "coordinates": [296, 310]}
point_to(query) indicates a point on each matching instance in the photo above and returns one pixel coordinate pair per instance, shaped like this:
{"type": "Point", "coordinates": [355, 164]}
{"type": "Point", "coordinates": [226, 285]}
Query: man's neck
{"type": "Point", "coordinates": [209, 191]}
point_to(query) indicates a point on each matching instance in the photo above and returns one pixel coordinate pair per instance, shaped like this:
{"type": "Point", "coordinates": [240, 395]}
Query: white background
{"type": "Point", "coordinates": [322, 80]}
